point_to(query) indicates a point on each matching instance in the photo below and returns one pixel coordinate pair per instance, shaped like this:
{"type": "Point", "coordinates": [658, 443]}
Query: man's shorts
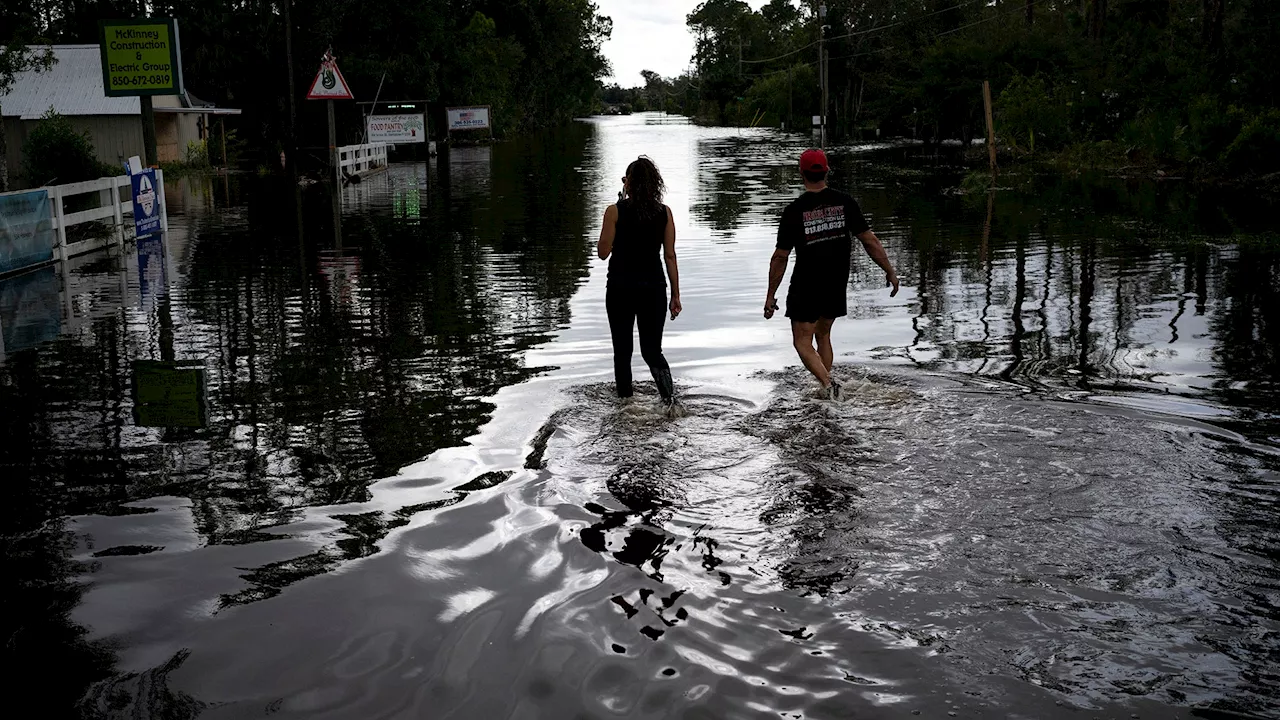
{"type": "Point", "coordinates": [808, 307]}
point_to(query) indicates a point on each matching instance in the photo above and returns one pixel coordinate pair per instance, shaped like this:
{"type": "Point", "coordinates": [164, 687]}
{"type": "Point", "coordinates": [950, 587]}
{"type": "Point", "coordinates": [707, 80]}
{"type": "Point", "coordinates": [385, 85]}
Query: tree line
{"type": "Point", "coordinates": [1186, 81]}
{"type": "Point", "coordinates": [535, 62]}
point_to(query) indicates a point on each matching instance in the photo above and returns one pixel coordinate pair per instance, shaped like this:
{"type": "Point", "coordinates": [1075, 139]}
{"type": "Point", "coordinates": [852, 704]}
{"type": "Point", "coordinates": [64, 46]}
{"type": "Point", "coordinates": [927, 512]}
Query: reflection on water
{"type": "Point", "coordinates": [1042, 297]}
{"type": "Point", "coordinates": [1054, 485]}
{"type": "Point", "coordinates": [30, 310]}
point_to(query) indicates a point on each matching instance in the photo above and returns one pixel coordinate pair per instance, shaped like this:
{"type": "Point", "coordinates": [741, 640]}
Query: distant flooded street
{"type": "Point", "coordinates": [1052, 491]}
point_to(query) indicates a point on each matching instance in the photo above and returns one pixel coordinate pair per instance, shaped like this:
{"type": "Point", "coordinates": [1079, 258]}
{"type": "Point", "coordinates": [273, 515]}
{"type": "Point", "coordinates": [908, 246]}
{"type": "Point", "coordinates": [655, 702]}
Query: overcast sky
{"type": "Point", "coordinates": [650, 35]}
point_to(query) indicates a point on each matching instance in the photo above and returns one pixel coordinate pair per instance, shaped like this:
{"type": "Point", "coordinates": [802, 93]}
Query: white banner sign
{"type": "Point", "coordinates": [394, 129]}
{"type": "Point", "coordinates": [468, 118]}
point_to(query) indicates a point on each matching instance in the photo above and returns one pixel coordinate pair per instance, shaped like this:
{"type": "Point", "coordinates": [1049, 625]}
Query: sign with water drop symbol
{"type": "Point", "coordinates": [329, 83]}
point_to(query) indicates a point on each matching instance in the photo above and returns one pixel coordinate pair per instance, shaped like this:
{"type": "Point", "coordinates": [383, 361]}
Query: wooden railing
{"type": "Point", "coordinates": [356, 159]}
{"type": "Point", "coordinates": [113, 205]}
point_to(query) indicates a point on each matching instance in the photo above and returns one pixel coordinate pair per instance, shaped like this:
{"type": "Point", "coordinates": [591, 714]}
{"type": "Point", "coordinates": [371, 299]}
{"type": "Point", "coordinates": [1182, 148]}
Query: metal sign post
{"type": "Point", "coordinates": [333, 145]}
{"type": "Point", "coordinates": [329, 85]}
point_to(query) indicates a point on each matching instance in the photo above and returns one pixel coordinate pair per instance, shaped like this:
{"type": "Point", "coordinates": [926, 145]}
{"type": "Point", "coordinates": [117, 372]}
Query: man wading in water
{"type": "Point", "coordinates": [820, 225]}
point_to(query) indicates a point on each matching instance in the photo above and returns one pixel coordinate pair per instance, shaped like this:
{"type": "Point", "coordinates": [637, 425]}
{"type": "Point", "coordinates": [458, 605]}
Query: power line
{"type": "Point", "coordinates": [868, 31]}
{"type": "Point", "coordinates": [789, 54]}
{"type": "Point", "coordinates": [877, 51]}
{"type": "Point", "coordinates": [997, 16]}
{"type": "Point", "coordinates": [937, 35]}
{"type": "Point", "coordinates": [934, 36]}
{"type": "Point", "coordinates": [811, 63]}
{"type": "Point", "coordinates": [878, 28]}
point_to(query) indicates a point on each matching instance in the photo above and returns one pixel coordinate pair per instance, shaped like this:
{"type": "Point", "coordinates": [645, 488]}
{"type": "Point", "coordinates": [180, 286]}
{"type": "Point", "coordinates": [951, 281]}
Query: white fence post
{"type": "Point", "coordinates": [116, 216]}
{"type": "Point", "coordinates": [164, 204]}
{"type": "Point", "coordinates": [104, 196]}
{"type": "Point", "coordinates": [55, 196]}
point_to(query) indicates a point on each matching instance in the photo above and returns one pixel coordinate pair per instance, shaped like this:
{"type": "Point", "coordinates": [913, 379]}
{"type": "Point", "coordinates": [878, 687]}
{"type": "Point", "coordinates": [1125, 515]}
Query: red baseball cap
{"type": "Point", "coordinates": [813, 159]}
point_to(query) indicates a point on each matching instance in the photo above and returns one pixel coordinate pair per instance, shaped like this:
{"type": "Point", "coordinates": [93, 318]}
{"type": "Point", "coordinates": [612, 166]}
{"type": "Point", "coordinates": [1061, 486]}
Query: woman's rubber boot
{"type": "Point", "coordinates": [666, 386]}
{"type": "Point", "coordinates": [667, 389]}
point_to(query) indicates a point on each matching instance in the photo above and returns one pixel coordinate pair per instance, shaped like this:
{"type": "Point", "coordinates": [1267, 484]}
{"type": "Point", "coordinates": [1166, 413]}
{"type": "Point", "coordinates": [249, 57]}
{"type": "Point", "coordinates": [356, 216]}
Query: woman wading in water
{"type": "Point", "coordinates": [636, 295]}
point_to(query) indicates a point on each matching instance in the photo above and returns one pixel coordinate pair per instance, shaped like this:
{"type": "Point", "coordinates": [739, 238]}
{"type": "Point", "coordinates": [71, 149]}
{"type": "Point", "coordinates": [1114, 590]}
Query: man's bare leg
{"type": "Point", "coordinates": [802, 338]}
{"type": "Point", "coordinates": [822, 331]}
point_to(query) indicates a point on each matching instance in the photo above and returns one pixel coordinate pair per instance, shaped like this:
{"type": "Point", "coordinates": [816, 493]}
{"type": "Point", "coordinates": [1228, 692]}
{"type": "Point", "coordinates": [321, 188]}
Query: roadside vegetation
{"type": "Point", "coordinates": [1182, 87]}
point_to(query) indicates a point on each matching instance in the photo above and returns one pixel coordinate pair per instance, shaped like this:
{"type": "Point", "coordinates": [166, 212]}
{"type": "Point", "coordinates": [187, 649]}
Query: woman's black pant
{"type": "Point", "coordinates": [645, 307]}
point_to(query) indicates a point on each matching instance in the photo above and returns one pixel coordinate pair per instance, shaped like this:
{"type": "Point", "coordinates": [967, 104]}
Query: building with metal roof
{"type": "Point", "coordinates": [73, 88]}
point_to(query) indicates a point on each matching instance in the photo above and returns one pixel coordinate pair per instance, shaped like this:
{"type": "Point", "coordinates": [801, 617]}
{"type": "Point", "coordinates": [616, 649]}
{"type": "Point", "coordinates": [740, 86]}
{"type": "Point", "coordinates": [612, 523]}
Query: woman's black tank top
{"type": "Point", "coordinates": [636, 243]}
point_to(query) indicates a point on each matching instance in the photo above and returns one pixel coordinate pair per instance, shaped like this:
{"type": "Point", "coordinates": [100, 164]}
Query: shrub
{"type": "Point", "coordinates": [977, 181]}
{"type": "Point", "coordinates": [782, 97]}
{"type": "Point", "coordinates": [1090, 156]}
{"type": "Point", "coordinates": [1032, 114]}
{"type": "Point", "coordinates": [1257, 147]}
{"type": "Point", "coordinates": [56, 153]}
{"type": "Point", "coordinates": [234, 150]}
{"type": "Point", "coordinates": [1211, 127]}
{"type": "Point", "coordinates": [1157, 136]}
{"type": "Point", "coordinates": [197, 155]}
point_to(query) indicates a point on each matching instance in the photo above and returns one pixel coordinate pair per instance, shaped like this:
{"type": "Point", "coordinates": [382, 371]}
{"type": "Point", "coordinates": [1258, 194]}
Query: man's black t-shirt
{"type": "Point", "coordinates": [820, 227]}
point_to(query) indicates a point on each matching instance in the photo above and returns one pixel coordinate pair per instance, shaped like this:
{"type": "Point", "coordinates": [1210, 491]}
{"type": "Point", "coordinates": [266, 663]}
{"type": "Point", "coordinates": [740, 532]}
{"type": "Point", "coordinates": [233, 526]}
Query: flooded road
{"type": "Point", "coordinates": [1051, 492]}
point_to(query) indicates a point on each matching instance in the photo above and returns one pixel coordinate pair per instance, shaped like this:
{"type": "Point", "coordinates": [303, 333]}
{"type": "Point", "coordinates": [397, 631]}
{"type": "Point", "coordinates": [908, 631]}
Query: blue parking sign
{"type": "Point", "coordinates": [146, 203]}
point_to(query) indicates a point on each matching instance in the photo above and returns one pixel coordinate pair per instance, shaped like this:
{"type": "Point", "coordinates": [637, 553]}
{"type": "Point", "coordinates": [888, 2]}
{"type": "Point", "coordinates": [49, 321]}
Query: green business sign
{"type": "Point", "coordinates": [141, 57]}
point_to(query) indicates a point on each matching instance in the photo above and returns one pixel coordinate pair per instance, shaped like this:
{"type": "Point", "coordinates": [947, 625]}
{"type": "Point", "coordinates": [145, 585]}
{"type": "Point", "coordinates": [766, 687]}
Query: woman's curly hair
{"type": "Point", "coordinates": [645, 187]}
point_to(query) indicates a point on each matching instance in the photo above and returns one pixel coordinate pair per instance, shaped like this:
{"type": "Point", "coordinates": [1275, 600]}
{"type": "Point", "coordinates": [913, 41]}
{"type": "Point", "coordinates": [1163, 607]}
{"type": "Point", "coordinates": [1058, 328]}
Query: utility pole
{"type": "Point", "coordinates": [291, 143]}
{"type": "Point", "coordinates": [149, 130]}
{"type": "Point", "coordinates": [991, 127]}
{"type": "Point", "coordinates": [148, 112]}
{"type": "Point", "coordinates": [822, 73]}
{"type": "Point", "coordinates": [826, 101]}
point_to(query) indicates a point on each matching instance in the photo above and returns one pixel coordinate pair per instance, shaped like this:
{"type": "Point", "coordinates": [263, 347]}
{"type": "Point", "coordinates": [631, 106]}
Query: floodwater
{"type": "Point", "coordinates": [1052, 490]}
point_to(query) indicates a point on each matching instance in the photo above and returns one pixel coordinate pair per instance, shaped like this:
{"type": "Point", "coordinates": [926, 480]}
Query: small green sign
{"type": "Point", "coordinates": [141, 57]}
{"type": "Point", "coordinates": [168, 394]}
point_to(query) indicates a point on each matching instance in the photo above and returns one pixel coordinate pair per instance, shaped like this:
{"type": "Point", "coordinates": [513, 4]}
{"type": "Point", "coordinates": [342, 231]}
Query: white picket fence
{"type": "Point", "coordinates": [114, 205]}
{"type": "Point", "coordinates": [357, 159]}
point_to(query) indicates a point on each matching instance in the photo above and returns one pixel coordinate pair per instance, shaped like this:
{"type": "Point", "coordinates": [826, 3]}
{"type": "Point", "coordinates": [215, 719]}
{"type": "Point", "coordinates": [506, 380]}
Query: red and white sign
{"type": "Point", "coordinates": [468, 118]}
{"type": "Point", "coordinates": [329, 83]}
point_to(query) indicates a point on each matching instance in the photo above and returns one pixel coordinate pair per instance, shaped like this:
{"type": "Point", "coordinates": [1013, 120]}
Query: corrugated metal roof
{"type": "Point", "coordinates": [73, 86]}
